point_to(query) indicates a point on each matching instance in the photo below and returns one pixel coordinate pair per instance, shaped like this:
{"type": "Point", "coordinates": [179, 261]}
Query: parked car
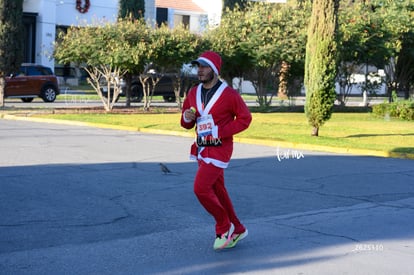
{"type": "Point", "coordinates": [164, 87]}
{"type": "Point", "coordinates": [32, 81]}
{"type": "Point", "coordinates": [71, 75]}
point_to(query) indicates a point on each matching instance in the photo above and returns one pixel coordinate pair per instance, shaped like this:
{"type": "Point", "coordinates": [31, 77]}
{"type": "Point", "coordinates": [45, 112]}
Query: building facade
{"type": "Point", "coordinates": [42, 19]}
{"type": "Point", "coordinates": [197, 15]}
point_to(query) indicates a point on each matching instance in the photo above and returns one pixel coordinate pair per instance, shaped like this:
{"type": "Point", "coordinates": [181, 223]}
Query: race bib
{"type": "Point", "coordinates": [205, 125]}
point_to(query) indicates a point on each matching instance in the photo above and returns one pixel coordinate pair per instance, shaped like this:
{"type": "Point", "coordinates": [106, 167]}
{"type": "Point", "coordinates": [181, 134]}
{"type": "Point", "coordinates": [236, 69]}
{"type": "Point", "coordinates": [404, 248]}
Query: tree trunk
{"type": "Point", "coordinates": [128, 81]}
{"type": "Point", "coordinates": [315, 132]}
{"type": "Point", "coordinates": [2, 88]}
{"type": "Point", "coordinates": [283, 80]}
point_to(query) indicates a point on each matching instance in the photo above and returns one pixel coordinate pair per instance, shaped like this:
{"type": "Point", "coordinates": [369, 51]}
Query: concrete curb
{"type": "Point", "coordinates": [270, 143]}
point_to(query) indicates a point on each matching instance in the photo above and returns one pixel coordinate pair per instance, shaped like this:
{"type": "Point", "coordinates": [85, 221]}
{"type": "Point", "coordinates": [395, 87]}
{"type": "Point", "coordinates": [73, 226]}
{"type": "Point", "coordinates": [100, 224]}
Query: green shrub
{"type": "Point", "coordinates": [400, 109]}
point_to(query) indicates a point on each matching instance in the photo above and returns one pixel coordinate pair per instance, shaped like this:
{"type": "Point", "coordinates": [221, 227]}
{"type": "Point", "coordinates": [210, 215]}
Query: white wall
{"type": "Point", "coordinates": [213, 8]}
{"type": "Point", "coordinates": [46, 29]}
{"type": "Point", "coordinates": [52, 13]}
{"type": "Point", "coordinates": [103, 10]}
{"type": "Point", "coordinates": [63, 12]}
{"type": "Point", "coordinates": [196, 20]}
{"type": "Point", "coordinates": [150, 12]}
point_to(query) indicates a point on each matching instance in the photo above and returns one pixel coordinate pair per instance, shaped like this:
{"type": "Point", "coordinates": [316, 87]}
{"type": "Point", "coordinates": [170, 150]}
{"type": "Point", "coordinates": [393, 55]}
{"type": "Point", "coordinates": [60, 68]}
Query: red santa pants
{"type": "Point", "coordinates": [212, 194]}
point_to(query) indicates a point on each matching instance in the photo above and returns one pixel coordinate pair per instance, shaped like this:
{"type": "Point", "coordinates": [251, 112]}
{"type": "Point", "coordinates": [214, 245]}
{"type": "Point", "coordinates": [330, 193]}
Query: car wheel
{"type": "Point", "coordinates": [136, 93]}
{"type": "Point", "coordinates": [49, 94]}
{"type": "Point", "coordinates": [169, 98]}
{"type": "Point", "coordinates": [27, 99]}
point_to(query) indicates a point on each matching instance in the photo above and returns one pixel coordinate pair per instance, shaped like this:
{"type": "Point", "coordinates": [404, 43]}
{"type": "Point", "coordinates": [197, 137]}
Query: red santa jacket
{"type": "Point", "coordinates": [230, 115]}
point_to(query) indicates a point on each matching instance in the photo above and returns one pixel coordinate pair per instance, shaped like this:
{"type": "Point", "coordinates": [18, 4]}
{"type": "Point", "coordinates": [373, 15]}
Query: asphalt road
{"type": "Point", "coordinates": [82, 200]}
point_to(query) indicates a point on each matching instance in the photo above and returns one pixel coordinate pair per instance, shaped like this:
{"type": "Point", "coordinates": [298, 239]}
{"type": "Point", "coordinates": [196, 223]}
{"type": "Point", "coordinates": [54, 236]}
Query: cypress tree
{"type": "Point", "coordinates": [320, 63]}
{"type": "Point", "coordinates": [11, 40]}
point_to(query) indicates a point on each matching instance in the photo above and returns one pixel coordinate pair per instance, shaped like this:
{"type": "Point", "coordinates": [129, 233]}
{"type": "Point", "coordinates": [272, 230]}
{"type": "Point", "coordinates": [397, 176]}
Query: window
{"type": "Point", "coordinates": [182, 19]}
{"type": "Point", "coordinates": [162, 16]}
{"type": "Point", "coordinates": [29, 22]}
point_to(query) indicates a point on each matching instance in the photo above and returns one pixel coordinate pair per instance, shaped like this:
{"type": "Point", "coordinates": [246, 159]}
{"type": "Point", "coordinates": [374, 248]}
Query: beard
{"type": "Point", "coordinates": [208, 79]}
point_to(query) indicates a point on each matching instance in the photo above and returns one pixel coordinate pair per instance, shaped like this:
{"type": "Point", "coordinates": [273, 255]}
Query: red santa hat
{"type": "Point", "coordinates": [209, 58]}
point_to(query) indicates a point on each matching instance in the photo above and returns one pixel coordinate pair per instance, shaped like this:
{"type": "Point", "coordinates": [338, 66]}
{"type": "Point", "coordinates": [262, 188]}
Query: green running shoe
{"type": "Point", "coordinates": [237, 237]}
{"type": "Point", "coordinates": [223, 240]}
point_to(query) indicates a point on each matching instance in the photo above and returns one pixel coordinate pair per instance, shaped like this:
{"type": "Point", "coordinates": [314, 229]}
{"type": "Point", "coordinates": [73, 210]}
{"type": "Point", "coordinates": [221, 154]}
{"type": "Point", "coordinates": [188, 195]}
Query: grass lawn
{"type": "Point", "coordinates": [347, 131]}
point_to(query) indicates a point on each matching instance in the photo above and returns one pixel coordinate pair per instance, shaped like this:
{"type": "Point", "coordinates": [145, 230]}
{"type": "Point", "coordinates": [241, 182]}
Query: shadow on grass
{"type": "Point", "coordinates": [378, 135]}
{"type": "Point", "coordinates": [301, 109]}
{"type": "Point", "coordinates": [408, 151]}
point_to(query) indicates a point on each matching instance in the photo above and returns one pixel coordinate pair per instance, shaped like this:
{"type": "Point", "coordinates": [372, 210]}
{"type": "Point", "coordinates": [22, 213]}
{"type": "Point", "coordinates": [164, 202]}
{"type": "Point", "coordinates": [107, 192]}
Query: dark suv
{"type": "Point", "coordinates": [164, 88]}
{"type": "Point", "coordinates": [32, 81]}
